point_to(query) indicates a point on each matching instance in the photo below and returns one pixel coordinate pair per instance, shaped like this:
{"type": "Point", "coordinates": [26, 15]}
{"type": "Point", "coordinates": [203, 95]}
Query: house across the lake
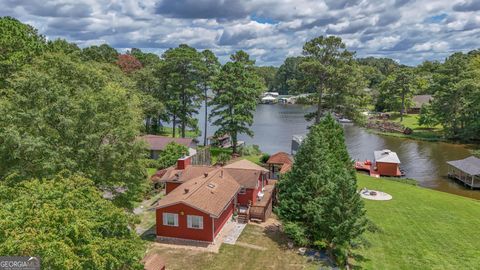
{"type": "Point", "coordinates": [156, 144]}
{"type": "Point", "coordinates": [201, 199]}
{"type": "Point", "coordinates": [418, 101]}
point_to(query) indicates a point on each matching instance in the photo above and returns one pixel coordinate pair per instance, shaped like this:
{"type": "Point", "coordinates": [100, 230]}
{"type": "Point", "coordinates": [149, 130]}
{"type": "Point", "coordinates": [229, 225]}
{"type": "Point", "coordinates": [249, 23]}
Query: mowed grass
{"type": "Point", "coordinates": [420, 229]}
{"type": "Point", "coordinates": [267, 251]}
{"type": "Point", "coordinates": [419, 132]}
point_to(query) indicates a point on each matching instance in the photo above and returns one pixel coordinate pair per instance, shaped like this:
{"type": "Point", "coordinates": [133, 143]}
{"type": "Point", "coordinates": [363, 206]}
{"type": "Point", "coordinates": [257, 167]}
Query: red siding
{"type": "Point", "coordinates": [250, 195]}
{"type": "Point", "coordinates": [182, 231]}
{"type": "Point", "coordinates": [388, 169]}
{"type": "Point", "coordinates": [171, 186]}
{"type": "Point", "coordinates": [224, 217]}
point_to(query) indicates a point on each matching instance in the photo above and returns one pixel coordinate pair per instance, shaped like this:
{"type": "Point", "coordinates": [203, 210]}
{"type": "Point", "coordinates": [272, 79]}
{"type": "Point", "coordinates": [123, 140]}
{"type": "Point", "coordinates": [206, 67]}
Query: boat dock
{"type": "Point", "coordinates": [366, 166]}
{"type": "Point", "coordinates": [386, 164]}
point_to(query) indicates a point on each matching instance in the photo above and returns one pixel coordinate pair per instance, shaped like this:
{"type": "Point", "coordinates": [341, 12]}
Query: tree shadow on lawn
{"type": "Point", "coordinates": [149, 235]}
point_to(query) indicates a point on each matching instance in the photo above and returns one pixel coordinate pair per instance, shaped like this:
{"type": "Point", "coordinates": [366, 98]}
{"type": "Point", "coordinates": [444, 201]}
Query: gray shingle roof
{"type": "Point", "coordinates": [470, 165]}
{"type": "Point", "coordinates": [386, 156]}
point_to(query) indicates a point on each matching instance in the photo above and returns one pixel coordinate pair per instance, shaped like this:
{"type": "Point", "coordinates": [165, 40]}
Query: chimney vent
{"type": "Point", "coordinates": [186, 190]}
{"type": "Point", "coordinates": [205, 174]}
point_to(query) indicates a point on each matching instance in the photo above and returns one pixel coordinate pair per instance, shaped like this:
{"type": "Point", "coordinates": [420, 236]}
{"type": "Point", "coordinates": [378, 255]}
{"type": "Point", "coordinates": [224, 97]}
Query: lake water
{"type": "Point", "coordinates": [424, 161]}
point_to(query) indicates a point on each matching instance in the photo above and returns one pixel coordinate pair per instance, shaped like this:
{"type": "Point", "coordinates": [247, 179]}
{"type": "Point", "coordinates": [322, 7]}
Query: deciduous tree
{"type": "Point", "coordinates": [66, 222]}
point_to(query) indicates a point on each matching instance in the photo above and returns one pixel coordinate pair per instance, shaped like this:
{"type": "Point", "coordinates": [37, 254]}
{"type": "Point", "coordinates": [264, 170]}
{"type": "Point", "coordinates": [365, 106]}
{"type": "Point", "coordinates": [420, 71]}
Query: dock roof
{"type": "Point", "coordinates": [470, 165]}
{"type": "Point", "coordinates": [386, 156]}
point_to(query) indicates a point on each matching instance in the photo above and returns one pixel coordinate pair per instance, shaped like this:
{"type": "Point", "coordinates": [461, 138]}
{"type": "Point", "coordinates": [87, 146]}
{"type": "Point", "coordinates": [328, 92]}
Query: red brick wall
{"type": "Point", "coordinates": [224, 217]}
{"type": "Point", "coordinates": [182, 163]}
{"type": "Point", "coordinates": [388, 169]}
{"type": "Point", "coordinates": [182, 231]}
{"type": "Point", "coordinates": [171, 186]}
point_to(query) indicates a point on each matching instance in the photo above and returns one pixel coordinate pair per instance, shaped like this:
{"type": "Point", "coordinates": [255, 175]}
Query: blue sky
{"type": "Point", "coordinates": [270, 30]}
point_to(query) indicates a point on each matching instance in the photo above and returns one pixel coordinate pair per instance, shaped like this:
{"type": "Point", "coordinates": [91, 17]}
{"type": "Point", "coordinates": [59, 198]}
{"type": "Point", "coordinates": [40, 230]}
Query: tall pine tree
{"type": "Point", "coordinates": [236, 91]}
{"type": "Point", "coordinates": [319, 197]}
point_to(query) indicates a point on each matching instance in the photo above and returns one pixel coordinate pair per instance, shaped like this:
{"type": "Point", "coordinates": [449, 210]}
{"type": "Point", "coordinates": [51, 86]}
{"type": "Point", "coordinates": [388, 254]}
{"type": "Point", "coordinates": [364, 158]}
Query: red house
{"type": "Point", "coordinates": [198, 208]}
{"type": "Point", "coordinates": [201, 199]}
{"type": "Point", "coordinates": [251, 178]}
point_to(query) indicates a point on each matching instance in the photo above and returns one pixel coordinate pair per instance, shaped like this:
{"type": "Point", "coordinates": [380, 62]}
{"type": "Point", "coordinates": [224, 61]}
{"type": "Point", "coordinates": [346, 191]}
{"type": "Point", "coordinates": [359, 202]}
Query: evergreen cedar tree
{"type": "Point", "coordinates": [318, 199]}
{"type": "Point", "coordinates": [236, 93]}
{"type": "Point", "coordinates": [66, 222]}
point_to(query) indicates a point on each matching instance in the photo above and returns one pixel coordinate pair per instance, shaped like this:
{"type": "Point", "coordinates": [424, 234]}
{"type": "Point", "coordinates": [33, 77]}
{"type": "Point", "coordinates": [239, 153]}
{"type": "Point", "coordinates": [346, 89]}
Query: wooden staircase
{"type": "Point", "coordinates": [244, 217]}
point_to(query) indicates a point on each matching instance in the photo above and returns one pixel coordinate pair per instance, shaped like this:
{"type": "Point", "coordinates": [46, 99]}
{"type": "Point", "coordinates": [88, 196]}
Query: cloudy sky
{"type": "Point", "coordinates": [406, 30]}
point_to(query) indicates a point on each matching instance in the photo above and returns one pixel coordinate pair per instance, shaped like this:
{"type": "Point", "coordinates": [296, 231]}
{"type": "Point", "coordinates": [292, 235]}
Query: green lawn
{"type": "Point", "coordinates": [216, 151]}
{"type": "Point", "coordinates": [267, 251]}
{"type": "Point", "coordinates": [151, 171]}
{"type": "Point", "coordinates": [421, 229]}
{"type": "Point", "coordinates": [419, 132]}
{"type": "Point", "coordinates": [167, 131]}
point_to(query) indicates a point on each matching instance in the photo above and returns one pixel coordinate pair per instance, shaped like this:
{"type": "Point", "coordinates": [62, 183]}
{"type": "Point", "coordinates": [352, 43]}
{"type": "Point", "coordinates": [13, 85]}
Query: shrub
{"type": "Point", "coordinates": [296, 232]}
{"type": "Point", "coordinates": [264, 158]}
{"type": "Point", "coordinates": [223, 158]}
{"type": "Point", "coordinates": [250, 150]}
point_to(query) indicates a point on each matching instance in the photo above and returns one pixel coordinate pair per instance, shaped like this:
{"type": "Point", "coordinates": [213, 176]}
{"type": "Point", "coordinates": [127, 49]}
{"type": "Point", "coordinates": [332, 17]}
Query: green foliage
{"type": "Point", "coordinates": [60, 114]}
{"type": "Point", "coordinates": [147, 59]}
{"type": "Point", "coordinates": [181, 80]}
{"type": "Point", "coordinates": [236, 91]}
{"type": "Point", "coordinates": [19, 43]}
{"type": "Point", "coordinates": [330, 72]}
{"type": "Point", "coordinates": [267, 73]}
{"type": "Point", "coordinates": [170, 154]}
{"type": "Point", "coordinates": [103, 54]}
{"type": "Point", "coordinates": [223, 158]}
{"type": "Point", "coordinates": [319, 194]}
{"type": "Point", "coordinates": [209, 71]}
{"type": "Point", "coordinates": [66, 222]}
{"type": "Point", "coordinates": [296, 232]}
{"type": "Point", "coordinates": [287, 75]}
{"type": "Point", "coordinates": [264, 158]}
{"type": "Point", "coordinates": [63, 46]}
{"type": "Point", "coordinates": [250, 150]}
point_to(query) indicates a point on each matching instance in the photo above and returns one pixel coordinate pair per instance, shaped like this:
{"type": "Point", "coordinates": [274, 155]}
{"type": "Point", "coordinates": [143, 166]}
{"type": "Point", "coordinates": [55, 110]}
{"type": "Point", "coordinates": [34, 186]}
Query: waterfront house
{"type": "Point", "coordinates": [252, 201]}
{"type": "Point", "coordinates": [156, 144]}
{"type": "Point", "coordinates": [466, 170]}
{"type": "Point", "coordinates": [387, 163]}
{"type": "Point", "coordinates": [279, 163]}
{"type": "Point", "coordinates": [418, 101]}
{"type": "Point", "coordinates": [199, 208]}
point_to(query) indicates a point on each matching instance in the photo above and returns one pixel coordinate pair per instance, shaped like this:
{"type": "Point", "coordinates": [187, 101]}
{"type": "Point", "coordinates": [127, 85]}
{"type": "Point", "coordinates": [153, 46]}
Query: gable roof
{"type": "Point", "coordinates": [245, 178]}
{"type": "Point", "coordinates": [153, 261]}
{"type": "Point", "coordinates": [209, 194]}
{"type": "Point", "coordinates": [172, 174]}
{"type": "Point", "coordinates": [386, 156]}
{"type": "Point", "coordinates": [419, 100]}
{"type": "Point", "coordinates": [280, 158]}
{"type": "Point", "coordinates": [470, 165]}
{"type": "Point", "coordinates": [156, 142]}
{"type": "Point", "coordinates": [245, 165]}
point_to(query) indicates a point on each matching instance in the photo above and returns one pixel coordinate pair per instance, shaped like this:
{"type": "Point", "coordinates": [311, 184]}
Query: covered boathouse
{"type": "Point", "coordinates": [466, 170]}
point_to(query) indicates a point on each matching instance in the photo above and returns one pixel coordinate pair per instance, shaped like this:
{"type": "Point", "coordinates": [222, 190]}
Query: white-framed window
{"type": "Point", "coordinates": [170, 219]}
{"type": "Point", "coordinates": [194, 222]}
{"type": "Point", "coordinates": [242, 190]}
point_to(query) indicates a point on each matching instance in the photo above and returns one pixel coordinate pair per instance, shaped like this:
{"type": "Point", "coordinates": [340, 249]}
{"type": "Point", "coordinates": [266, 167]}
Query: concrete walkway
{"type": "Point", "coordinates": [232, 236]}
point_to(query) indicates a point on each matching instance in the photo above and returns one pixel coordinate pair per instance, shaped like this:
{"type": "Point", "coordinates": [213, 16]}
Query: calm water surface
{"type": "Point", "coordinates": [424, 161]}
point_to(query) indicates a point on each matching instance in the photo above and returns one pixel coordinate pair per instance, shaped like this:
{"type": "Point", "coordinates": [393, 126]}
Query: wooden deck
{"type": "Point", "coordinates": [263, 209]}
{"type": "Point", "coordinates": [362, 166]}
